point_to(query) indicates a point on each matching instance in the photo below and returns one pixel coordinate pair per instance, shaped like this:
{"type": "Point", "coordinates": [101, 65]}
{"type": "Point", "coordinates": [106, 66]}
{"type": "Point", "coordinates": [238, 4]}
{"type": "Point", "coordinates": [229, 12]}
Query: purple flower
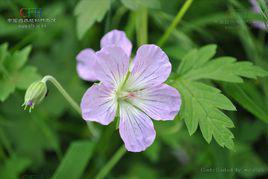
{"type": "Point", "coordinates": [256, 8]}
{"type": "Point", "coordinates": [132, 89]}
{"type": "Point", "coordinates": [87, 57]}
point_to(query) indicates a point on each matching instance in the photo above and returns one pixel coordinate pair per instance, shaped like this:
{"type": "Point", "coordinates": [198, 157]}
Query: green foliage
{"type": "Point", "coordinates": [75, 160]}
{"type": "Point", "coordinates": [88, 12]}
{"type": "Point", "coordinates": [38, 144]}
{"type": "Point", "coordinates": [136, 4]}
{"type": "Point", "coordinates": [202, 104]}
{"type": "Point", "coordinates": [247, 95]}
{"type": "Point", "coordinates": [14, 166]}
{"type": "Point", "coordinates": [252, 165]}
{"type": "Point", "coordinates": [13, 72]}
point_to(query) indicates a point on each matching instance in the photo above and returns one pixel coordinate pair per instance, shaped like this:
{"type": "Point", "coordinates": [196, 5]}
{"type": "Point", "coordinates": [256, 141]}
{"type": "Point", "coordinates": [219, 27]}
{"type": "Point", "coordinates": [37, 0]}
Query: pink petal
{"type": "Point", "coordinates": [161, 102]}
{"type": "Point", "coordinates": [85, 64]}
{"type": "Point", "coordinates": [98, 104]}
{"type": "Point", "coordinates": [117, 38]}
{"type": "Point", "coordinates": [151, 67]}
{"type": "Point", "coordinates": [135, 128]}
{"type": "Point", "coordinates": [111, 66]}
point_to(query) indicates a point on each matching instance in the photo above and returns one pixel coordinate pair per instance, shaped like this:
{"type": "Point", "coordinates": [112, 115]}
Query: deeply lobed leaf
{"type": "Point", "coordinates": [203, 104]}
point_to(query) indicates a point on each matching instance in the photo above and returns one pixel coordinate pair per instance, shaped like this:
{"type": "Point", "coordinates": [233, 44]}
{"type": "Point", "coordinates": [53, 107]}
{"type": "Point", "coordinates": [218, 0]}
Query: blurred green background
{"type": "Point", "coordinates": [54, 141]}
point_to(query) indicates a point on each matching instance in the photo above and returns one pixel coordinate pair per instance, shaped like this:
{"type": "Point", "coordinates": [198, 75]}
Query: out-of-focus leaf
{"type": "Point", "coordinates": [75, 160]}
{"type": "Point", "coordinates": [256, 129]}
{"type": "Point", "coordinates": [26, 76]}
{"type": "Point", "coordinates": [153, 151]}
{"type": "Point", "coordinates": [251, 166]}
{"type": "Point", "coordinates": [135, 4]}
{"type": "Point", "coordinates": [88, 12]}
{"type": "Point", "coordinates": [18, 59]}
{"type": "Point", "coordinates": [12, 71]}
{"type": "Point", "coordinates": [34, 137]}
{"type": "Point", "coordinates": [247, 96]}
{"type": "Point", "coordinates": [141, 170]}
{"type": "Point", "coordinates": [14, 166]}
{"type": "Point", "coordinates": [6, 88]}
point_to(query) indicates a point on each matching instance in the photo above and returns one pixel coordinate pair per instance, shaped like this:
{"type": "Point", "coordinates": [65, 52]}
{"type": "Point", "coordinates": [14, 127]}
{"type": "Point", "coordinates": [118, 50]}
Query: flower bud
{"type": "Point", "coordinates": [34, 94]}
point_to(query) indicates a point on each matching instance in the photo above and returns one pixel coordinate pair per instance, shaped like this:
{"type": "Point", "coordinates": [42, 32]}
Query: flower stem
{"type": "Point", "coordinates": [175, 22]}
{"type": "Point", "coordinates": [69, 99]}
{"type": "Point", "coordinates": [116, 157]}
{"type": "Point", "coordinates": [142, 26]}
{"type": "Point", "coordinates": [62, 91]}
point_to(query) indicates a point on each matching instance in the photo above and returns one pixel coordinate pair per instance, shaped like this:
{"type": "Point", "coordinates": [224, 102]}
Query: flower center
{"type": "Point", "coordinates": [124, 95]}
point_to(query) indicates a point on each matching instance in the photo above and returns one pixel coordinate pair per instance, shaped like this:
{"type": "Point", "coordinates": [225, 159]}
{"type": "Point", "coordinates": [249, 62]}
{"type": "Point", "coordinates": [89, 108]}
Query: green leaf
{"type": "Point", "coordinates": [135, 4]}
{"type": "Point", "coordinates": [197, 65]}
{"type": "Point", "coordinates": [38, 137]}
{"type": "Point", "coordinates": [13, 73]}
{"type": "Point", "coordinates": [6, 88]}
{"type": "Point", "coordinates": [3, 52]}
{"type": "Point", "coordinates": [196, 58]}
{"type": "Point", "coordinates": [18, 59]}
{"type": "Point", "coordinates": [27, 76]}
{"type": "Point", "coordinates": [75, 160]}
{"type": "Point", "coordinates": [249, 98]}
{"type": "Point", "coordinates": [14, 166]}
{"type": "Point", "coordinates": [153, 151]}
{"type": "Point", "coordinates": [202, 104]}
{"type": "Point", "coordinates": [226, 69]}
{"type": "Point", "coordinates": [88, 12]}
{"type": "Point", "coordinates": [252, 164]}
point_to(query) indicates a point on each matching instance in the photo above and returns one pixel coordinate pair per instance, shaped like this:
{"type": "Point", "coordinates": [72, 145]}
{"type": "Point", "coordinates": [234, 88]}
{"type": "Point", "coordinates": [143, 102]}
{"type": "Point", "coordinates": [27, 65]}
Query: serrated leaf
{"type": "Point", "coordinates": [196, 66]}
{"type": "Point", "coordinates": [202, 104]}
{"type": "Point", "coordinates": [196, 58]}
{"type": "Point", "coordinates": [88, 12]}
{"type": "Point", "coordinates": [75, 160]}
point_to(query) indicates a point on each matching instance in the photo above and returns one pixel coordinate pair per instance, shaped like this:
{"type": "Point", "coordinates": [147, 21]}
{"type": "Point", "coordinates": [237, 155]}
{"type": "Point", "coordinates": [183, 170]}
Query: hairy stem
{"type": "Point", "coordinates": [68, 98]}
{"type": "Point", "coordinates": [63, 92]}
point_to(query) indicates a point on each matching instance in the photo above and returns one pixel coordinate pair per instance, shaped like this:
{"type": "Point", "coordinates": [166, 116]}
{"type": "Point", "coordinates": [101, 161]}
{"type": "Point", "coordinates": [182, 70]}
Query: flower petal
{"type": "Point", "coordinates": [85, 64]}
{"type": "Point", "coordinates": [117, 38]}
{"type": "Point", "coordinates": [111, 66]}
{"type": "Point", "coordinates": [161, 102]}
{"type": "Point", "coordinates": [151, 67]}
{"type": "Point", "coordinates": [99, 104]}
{"type": "Point", "coordinates": [135, 128]}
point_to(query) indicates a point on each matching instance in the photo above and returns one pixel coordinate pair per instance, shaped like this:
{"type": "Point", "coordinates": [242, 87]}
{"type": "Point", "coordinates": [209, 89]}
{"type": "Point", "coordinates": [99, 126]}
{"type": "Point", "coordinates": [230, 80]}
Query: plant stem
{"type": "Point", "coordinates": [106, 169]}
{"type": "Point", "coordinates": [63, 92]}
{"type": "Point", "coordinates": [69, 99]}
{"type": "Point", "coordinates": [142, 26]}
{"type": "Point", "coordinates": [175, 22]}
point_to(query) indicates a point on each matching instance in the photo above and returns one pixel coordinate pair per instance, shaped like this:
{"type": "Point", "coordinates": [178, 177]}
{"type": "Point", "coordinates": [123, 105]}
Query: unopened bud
{"type": "Point", "coordinates": [35, 93]}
